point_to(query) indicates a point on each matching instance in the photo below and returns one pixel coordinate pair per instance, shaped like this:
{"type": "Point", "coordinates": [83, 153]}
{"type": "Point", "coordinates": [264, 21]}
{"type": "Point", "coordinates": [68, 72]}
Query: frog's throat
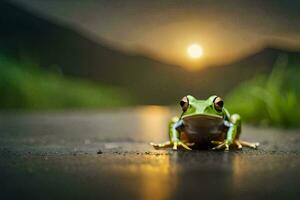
{"type": "Point", "coordinates": [204, 116]}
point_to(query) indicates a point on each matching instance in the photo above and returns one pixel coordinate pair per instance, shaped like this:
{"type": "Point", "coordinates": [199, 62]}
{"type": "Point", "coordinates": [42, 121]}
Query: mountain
{"type": "Point", "coordinates": [55, 46]}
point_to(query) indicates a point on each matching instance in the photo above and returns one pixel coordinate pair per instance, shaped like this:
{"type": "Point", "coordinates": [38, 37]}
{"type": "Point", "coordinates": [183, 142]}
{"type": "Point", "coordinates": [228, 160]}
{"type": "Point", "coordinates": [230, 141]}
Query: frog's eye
{"type": "Point", "coordinates": [218, 103]}
{"type": "Point", "coordinates": [184, 103]}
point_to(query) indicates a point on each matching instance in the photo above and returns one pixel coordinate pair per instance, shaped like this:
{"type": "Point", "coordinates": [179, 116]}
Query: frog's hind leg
{"type": "Point", "coordinates": [233, 135]}
{"type": "Point", "coordinates": [236, 119]}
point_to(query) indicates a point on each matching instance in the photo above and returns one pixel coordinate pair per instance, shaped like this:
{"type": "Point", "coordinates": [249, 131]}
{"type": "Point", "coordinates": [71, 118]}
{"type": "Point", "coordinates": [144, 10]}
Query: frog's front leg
{"type": "Point", "coordinates": [174, 136]}
{"type": "Point", "coordinates": [233, 134]}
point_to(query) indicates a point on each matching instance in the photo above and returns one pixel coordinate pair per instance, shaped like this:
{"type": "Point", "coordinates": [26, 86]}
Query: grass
{"type": "Point", "coordinates": [25, 86]}
{"type": "Point", "coordinates": [269, 100]}
{"type": "Point", "coordinates": [265, 100]}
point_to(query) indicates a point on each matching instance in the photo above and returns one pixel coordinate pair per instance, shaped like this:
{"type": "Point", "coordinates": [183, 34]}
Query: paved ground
{"type": "Point", "coordinates": [105, 155]}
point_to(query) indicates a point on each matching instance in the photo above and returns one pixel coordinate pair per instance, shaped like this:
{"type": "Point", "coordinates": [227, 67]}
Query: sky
{"type": "Point", "coordinates": [225, 29]}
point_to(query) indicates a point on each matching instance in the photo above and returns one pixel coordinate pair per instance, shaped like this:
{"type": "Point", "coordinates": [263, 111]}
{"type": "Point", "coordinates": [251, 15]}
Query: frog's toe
{"type": "Point", "coordinates": [238, 144]}
{"type": "Point", "coordinates": [180, 144]}
{"type": "Point", "coordinates": [184, 146]}
{"type": "Point", "coordinates": [253, 145]}
{"type": "Point", "coordinates": [175, 146]}
{"type": "Point", "coordinates": [154, 145]}
{"type": "Point", "coordinates": [161, 145]}
{"type": "Point", "coordinates": [223, 145]}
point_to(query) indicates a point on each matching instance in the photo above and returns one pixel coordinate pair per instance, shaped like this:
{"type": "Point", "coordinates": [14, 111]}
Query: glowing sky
{"type": "Point", "coordinates": [225, 29]}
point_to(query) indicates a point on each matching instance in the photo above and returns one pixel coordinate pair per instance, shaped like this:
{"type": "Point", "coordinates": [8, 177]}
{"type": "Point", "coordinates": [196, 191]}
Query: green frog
{"type": "Point", "coordinates": [205, 124]}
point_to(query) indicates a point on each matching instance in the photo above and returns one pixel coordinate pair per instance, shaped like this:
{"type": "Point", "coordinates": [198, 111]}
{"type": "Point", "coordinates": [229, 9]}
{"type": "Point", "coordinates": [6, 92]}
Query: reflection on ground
{"type": "Point", "coordinates": [106, 155]}
{"type": "Point", "coordinates": [155, 179]}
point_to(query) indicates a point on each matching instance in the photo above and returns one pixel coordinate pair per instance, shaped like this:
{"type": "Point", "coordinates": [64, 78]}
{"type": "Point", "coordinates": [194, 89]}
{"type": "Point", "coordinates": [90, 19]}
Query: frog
{"type": "Point", "coordinates": [205, 124]}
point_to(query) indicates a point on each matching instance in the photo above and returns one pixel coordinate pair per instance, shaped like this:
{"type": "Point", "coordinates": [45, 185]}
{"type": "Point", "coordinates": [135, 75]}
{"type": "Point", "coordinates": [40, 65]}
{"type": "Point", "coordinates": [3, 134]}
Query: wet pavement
{"type": "Point", "coordinates": [106, 155]}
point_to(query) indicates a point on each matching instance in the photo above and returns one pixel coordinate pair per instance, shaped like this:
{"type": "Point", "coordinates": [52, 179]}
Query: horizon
{"type": "Point", "coordinates": [172, 51]}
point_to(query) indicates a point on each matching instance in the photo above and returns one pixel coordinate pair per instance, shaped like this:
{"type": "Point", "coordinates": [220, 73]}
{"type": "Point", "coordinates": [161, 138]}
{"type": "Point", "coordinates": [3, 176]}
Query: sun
{"type": "Point", "coordinates": [194, 51]}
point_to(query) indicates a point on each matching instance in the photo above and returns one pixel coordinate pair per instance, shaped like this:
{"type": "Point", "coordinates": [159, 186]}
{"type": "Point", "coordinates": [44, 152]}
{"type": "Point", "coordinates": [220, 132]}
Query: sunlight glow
{"type": "Point", "coordinates": [195, 51]}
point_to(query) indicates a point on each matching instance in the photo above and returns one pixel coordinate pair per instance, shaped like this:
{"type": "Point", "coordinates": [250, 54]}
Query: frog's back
{"type": "Point", "coordinates": [203, 129]}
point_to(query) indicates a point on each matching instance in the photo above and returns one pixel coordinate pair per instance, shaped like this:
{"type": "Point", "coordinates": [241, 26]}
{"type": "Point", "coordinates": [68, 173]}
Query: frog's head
{"type": "Point", "coordinates": [213, 106]}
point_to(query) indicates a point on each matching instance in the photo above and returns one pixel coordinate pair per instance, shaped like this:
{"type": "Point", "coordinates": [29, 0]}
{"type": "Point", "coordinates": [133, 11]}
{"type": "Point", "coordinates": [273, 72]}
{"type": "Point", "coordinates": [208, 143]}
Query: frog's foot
{"type": "Point", "coordinates": [174, 144]}
{"type": "Point", "coordinates": [241, 143]}
{"type": "Point", "coordinates": [182, 144]}
{"type": "Point", "coordinates": [161, 145]}
{"type": "Point", "coordinates": [221, 145]}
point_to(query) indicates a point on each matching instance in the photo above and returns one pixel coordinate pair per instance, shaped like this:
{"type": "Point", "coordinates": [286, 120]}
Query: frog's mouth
{"type": "Point", "coordinates": [202, 117]}
{"type": "Point", "coordinates": [203, 123]}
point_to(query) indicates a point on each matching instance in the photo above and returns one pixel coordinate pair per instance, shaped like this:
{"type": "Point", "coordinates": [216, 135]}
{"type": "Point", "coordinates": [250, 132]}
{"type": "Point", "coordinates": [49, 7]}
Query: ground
{"type": "Point", "coordinates": [106, 155]}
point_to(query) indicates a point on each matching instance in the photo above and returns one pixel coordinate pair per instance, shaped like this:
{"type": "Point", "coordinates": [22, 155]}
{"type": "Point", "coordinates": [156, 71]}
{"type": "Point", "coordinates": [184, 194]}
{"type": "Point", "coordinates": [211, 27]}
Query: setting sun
{"type": "Point", "coordinates": [195, 51]}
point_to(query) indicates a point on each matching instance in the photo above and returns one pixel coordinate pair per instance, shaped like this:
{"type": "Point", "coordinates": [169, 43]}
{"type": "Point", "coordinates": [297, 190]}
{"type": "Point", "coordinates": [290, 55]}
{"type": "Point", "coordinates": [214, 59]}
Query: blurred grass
{"type": "Point", "coordinates": [269, 100]}
{"type": "Point", "coordinates": [25, 86]}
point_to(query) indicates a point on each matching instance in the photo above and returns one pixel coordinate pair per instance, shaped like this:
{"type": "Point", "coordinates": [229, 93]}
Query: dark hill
{"type": "Point", "coordinates": [27, 36]}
